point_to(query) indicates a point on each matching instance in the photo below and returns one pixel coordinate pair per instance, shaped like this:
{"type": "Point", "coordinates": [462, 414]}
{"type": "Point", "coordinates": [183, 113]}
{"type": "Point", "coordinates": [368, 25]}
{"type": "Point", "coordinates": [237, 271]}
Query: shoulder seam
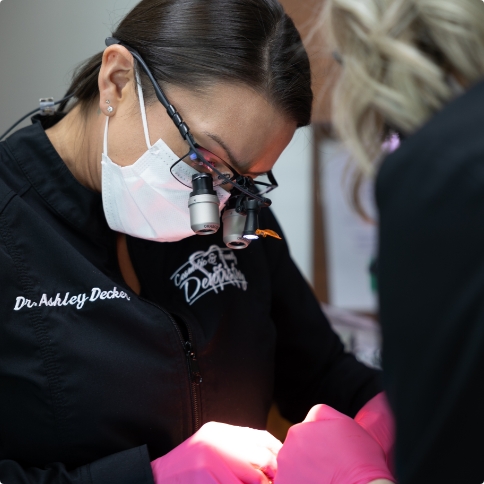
{"type": "Point", "coordinates": [4, 201]}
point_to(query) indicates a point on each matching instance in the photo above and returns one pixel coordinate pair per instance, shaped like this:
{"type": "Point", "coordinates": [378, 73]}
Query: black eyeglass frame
{"type": "Point", "coordinates": [185, 131]}
{"type": "Point", "coordinates": [236, 177]}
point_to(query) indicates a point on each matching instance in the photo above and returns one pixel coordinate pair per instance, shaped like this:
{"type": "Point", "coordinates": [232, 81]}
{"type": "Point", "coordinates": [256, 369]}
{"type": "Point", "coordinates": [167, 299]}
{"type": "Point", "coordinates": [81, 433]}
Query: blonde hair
{"type": "Point", "coordinates": [397, 57]}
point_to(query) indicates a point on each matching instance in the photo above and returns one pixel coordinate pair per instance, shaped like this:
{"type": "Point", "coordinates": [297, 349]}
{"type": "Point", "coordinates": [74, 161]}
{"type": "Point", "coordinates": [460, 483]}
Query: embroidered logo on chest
{"type": "Point", "coordinates": [208, 271]}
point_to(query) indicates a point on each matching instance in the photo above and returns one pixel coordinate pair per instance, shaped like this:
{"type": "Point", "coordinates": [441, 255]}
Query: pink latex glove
{"type": "Point", "coordinates": [377, 419]}
{"type": "Point", "coordinates": [330, 448]}
{"type": "Point", "coordinates": [220, 454]}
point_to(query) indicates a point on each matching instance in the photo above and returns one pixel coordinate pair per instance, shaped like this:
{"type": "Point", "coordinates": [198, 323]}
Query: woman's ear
{"type": "Point", "coordinates": [117, 71]}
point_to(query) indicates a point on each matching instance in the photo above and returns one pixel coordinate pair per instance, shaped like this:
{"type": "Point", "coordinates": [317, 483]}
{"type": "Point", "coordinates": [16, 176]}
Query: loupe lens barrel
{"type": "Point", "coordinates": [204, 214]}
{"type": "Point", "coordinates": [204, 206]}
{"type": "Point", "coordinates": [233, 226]}
{"type": "Point", "coordinates": [202, 183]}
{"type": "Point", "coordinates": [252, 219]}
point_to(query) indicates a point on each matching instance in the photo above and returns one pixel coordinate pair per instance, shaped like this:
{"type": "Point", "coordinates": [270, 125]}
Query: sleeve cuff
{"type": "Point", "coordinates": [127, 467]}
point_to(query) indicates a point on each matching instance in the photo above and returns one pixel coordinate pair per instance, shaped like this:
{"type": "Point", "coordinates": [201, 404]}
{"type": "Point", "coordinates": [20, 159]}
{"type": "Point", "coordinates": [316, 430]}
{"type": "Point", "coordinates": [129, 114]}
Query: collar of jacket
{"type": "Point", "coordinates": [52, 180]}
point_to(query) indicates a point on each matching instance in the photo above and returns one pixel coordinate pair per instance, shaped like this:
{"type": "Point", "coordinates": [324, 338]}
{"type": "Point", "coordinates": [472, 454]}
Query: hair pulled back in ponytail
{"type": "Point", "coordinates": [195, 43]}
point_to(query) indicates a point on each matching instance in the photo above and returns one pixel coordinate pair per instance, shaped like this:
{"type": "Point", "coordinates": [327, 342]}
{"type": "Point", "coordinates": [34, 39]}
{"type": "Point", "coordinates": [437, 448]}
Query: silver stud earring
{"type": "Point", "coordinates": [110, 109]}
{"type": "Point", "coordinates": [108, 101]}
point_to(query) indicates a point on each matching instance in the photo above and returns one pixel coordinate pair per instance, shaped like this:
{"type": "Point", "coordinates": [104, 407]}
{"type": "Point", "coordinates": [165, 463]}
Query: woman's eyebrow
{"type": "Point", "coordinates": [235, 163]}
{"type": "Point", "coordinates": [238, 165]}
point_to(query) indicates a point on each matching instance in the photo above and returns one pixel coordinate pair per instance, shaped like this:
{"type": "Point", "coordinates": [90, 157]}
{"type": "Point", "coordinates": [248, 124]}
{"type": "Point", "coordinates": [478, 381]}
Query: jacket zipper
{"type": "Point", "coordinates": [192, 364]}
{"type": "Point", "coordinates": [195, 383]}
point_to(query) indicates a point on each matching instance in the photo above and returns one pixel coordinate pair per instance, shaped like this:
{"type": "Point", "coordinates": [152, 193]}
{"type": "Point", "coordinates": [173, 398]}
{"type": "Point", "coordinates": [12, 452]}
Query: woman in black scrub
{"type": "Point", "coordinates": [124, 336]}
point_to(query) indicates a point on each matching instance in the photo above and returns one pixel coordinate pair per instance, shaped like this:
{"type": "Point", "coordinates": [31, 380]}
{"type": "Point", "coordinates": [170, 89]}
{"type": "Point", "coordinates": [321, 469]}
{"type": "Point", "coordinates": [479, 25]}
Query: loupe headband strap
{"type": "Point", "coordinates": [170, 109]}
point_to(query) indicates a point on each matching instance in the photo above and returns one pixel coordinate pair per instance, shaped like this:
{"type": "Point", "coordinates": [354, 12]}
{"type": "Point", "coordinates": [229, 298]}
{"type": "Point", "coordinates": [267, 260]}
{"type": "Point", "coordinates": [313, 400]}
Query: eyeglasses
{"type": "Point", "coordinates": [204, 161]}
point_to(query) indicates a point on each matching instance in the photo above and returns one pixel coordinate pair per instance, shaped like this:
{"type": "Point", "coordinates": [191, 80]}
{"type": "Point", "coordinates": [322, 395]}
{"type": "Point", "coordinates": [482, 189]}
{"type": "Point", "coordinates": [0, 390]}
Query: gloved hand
{"type": "Point", "coordinates": [377, 419]}
{"type": "Point", "coordinates": [330, 448]}
{"type": "Point", "coordinates": [220, 454]}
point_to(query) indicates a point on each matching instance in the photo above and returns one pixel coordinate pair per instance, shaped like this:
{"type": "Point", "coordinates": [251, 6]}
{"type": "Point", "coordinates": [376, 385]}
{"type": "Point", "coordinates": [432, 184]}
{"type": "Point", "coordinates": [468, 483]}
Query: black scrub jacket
{"type": "Point", "coordinates": [430, 194]}
{"type": "Point", "coordinates": [95, 380]}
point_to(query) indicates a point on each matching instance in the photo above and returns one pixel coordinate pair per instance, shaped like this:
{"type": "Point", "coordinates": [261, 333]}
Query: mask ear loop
{"type": "Point", "coordinates": [105, 141]}
{"type": "Point", "coordinates": [143, 118]}
{"type": "Point", "coordinates": [143, 110]}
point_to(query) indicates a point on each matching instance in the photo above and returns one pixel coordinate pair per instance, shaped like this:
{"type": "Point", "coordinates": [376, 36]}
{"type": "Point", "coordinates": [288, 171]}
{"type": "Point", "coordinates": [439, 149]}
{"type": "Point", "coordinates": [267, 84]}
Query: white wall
{"type": "Point", "coordinates": [350, 240]}
{"type": "Point", "coordinates": [292, 201]}
{"type": "Point", "coordinates": [41, 42]}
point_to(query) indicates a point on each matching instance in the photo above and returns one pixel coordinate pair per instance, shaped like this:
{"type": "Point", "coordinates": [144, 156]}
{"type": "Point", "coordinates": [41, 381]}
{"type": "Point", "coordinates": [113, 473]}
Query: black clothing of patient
{"type": "Point", "coordinates": [430, 195]}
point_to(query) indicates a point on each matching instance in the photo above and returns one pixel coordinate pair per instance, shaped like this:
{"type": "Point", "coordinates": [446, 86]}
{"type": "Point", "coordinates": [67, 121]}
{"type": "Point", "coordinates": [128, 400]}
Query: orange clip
{"type": "Point", "coordinates": [268, 232]}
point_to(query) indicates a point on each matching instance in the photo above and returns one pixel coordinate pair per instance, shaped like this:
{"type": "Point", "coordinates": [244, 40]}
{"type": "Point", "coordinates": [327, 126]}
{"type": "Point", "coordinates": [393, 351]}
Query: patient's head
{"type": "Point", "coordinates": [402, 60]}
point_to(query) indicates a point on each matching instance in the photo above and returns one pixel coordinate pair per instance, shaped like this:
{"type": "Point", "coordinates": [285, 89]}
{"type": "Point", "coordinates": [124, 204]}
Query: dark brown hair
{"type": "Point", "coordinates": [193, 43]}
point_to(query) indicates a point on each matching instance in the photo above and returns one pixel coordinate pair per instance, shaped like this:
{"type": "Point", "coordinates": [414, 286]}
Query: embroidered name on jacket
{"type": "Point", "coordinates": [208, 271]}
{"type": "Point", "coordinates": [67, 300]}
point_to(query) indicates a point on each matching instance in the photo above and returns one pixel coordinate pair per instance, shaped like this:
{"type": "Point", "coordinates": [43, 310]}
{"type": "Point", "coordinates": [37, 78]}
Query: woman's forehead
{"type": "Point", "coordinates": [236, 117]}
